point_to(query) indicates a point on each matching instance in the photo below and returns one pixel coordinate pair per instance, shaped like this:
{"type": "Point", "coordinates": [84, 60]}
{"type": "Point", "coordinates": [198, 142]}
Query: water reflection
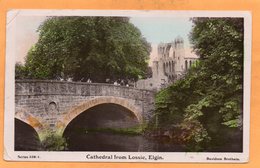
{"type": "Point", "coordinates": [115, 143]}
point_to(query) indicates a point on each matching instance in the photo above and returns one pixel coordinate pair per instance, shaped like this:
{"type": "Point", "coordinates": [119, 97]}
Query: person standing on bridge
{"type": "Point", "coordinates": [89, 80]}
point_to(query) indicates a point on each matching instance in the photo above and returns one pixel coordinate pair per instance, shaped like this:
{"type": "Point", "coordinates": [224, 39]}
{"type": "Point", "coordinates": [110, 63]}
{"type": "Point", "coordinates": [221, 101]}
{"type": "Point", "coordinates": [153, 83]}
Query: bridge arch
{"type": "Point", "coordinates": [31, 120]}
{"type": "Point", "coordinates": [26, 138]}
{"type": "Point", "coordinates": [73, 113]}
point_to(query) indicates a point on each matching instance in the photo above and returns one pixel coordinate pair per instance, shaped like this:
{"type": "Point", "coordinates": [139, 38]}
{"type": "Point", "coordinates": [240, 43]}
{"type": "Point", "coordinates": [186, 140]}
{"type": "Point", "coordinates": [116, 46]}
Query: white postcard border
{"type": "Point", "coordinates": [11, 155]}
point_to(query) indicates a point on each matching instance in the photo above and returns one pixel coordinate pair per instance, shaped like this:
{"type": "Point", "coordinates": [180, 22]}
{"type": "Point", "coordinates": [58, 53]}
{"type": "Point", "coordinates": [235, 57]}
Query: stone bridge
{"type": "Point", "coordinates": [52, 105]}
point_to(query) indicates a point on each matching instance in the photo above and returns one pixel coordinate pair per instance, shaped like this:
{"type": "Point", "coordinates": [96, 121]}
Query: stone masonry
{"type": "Point", "coordinates": [51, 105]}
{"type": "Point", "coordinates": [170, 64]}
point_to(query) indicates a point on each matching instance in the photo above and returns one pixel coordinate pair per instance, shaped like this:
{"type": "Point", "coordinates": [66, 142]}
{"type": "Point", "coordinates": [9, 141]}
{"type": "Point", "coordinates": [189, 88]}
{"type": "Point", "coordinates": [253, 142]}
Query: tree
{"type": "Point", "coordinates": [88, 47]}
{"type": "Point", "coordinates": [206, 105]}
{"type": "Point", "coordinates": [20, 71]}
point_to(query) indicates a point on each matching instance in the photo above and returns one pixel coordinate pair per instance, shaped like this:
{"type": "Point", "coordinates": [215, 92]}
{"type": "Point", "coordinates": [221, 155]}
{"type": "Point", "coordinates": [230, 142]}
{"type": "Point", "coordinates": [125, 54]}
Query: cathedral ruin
{"type": "Point", "coordinates": [170, 64]}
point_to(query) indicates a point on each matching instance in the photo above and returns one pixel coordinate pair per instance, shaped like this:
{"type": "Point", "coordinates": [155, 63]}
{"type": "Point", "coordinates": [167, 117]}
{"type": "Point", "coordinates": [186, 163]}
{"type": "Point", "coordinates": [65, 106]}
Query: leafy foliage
{"type": "Point", "coordinates": [20, 71]}
{"type": "Point", "coordinates": [88, 47]}
{"type": "Point", "coordinates": [207, 103]}
{"type": "Point", "coordinates": [54, 142]}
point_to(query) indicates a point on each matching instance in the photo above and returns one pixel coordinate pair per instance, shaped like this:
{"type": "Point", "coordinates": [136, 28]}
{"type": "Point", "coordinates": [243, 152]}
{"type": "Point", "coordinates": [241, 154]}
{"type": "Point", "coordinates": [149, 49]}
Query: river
{"type": "Point", "coordinates": [100, 141]}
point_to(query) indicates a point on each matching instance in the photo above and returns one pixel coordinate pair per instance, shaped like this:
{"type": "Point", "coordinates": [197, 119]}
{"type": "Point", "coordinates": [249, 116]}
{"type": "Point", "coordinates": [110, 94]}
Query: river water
{"type": "Point", "coordinates": [99, 141]}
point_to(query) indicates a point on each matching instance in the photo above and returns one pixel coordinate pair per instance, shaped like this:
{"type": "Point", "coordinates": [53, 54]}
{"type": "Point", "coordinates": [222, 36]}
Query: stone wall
{"type": "Point", "coordinates": [45, 104]}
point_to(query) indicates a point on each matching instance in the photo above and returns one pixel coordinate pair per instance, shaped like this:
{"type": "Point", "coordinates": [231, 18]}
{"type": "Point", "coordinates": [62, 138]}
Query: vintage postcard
{"type": "Point", "coordinates": [127, 86]}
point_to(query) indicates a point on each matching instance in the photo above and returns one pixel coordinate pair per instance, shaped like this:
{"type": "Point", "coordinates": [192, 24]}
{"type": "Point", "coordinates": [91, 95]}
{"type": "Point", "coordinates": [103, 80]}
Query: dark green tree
{"type": "Point", "coordinates": [206, 105]}
{"type": "Point", "coordinates": [20, 71]}
{"type": "Point", "coordinates": [88, 47]}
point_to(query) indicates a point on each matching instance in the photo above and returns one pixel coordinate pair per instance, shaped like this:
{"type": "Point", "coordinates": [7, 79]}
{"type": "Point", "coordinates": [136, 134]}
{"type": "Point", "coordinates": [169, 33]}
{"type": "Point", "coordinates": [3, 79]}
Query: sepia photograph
{"type": "Point", "coordinates": [127, 86]}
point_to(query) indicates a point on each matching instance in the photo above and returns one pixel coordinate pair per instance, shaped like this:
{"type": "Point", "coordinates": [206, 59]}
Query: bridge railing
{"type": "Point", "coordinates": [48, 87]}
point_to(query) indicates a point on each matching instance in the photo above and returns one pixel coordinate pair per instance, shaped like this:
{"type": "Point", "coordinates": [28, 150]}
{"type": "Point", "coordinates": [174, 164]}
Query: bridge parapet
{"type": "Point", "coordinates": [48, 87]}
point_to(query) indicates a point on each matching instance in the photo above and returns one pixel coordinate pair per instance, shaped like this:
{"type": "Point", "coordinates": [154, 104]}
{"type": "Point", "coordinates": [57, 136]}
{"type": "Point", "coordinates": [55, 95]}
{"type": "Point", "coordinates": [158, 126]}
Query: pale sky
{"type": "Point", "coordinates": [154, 29]}
{"type": "Point", "coordinates": [26, 35]}
{"type": "Point", "coordinates": [162, 29]}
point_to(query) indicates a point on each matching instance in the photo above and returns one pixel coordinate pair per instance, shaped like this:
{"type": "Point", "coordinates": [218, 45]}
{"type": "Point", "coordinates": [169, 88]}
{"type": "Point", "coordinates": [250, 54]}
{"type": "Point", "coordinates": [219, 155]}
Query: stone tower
{"type": "Point", "coordinates": [170, 64]}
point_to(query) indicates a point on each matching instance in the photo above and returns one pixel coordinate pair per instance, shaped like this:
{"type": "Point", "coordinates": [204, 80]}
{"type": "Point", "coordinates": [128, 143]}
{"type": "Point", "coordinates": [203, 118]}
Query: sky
{"type": "Point", "coordinates": [154, 29]}
{"type": "Point", "coordinates": [160, 29]}
{"type": "Point", "coordinates": [26, 34]}
{"type": "Point", "coordinates": [163, 30]}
